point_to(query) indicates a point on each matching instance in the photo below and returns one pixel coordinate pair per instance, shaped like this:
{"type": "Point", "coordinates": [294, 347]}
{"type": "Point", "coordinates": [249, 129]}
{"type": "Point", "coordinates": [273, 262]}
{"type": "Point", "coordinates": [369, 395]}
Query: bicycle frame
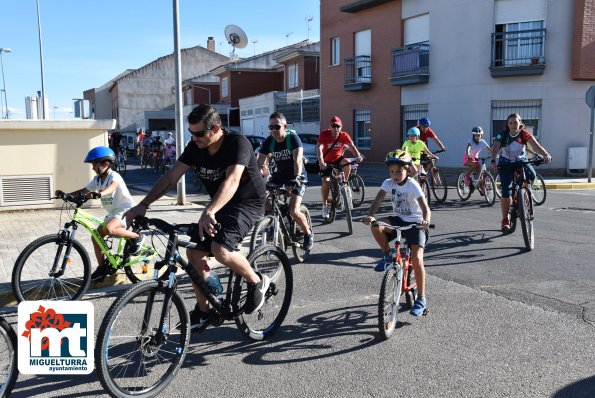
{"type": "Point", "coordinates": [405, 263]}
{"type": "Point", "coordinates": [279, 218]}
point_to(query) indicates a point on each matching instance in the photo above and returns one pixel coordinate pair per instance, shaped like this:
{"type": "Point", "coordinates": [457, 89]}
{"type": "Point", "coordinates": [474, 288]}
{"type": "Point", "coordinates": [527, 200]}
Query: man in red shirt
{"type": "Point", "coordinates": [426, 133]}
{"type": "Point", "coordinates": [332, 143]}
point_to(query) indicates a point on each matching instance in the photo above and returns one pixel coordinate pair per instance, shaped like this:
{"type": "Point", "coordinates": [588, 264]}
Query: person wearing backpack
{"type": "Point", "coordinates": [511, 146]}
{"type": "Point", "coordinates": [285, 147]}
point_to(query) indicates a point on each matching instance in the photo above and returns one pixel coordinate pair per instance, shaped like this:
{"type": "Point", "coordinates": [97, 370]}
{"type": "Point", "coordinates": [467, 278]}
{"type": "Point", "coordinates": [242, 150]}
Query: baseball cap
{"type": "Point", "coordinates": [336, 120]}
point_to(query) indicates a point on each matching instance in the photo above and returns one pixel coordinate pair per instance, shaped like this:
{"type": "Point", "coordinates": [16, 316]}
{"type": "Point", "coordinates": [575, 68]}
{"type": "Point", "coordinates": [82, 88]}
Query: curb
{"type": "Point", "coordinates": [578, 185]}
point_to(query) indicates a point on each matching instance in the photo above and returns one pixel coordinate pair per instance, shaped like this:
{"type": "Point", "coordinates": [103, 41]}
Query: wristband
{"type": "Point", "coordinates": [142, 202]}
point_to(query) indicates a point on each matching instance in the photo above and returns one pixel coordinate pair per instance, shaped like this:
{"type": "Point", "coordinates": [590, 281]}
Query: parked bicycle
{"type": "Point", "coordinates": [538, 189]}
{"type": "Point", "coordinates": [522, 200]}
{"type": "Point", "coordinates": [433, 180]}
{"type": "Point", "coordinates": [341, 196]}
{"type": "Point", "coordinates": [143, 339]}
{"type": "Point", "coordinates": [484, 184]}
{"type": "Point", "coordinates": [398, 280]}
{"type": "Point", "coordinates": [356, 182]}
{"type": "Point", "coordinates": [279, 228]}
{"type": "Point", "coordinates": [57, 266]}
{"type": "Point", "coordinates": [9, 370]}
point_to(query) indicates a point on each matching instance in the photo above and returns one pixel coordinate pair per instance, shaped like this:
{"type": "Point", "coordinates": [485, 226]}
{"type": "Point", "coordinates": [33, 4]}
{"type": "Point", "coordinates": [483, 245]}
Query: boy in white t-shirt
{"type": "Point", "coordinates": [474, 147]}
{"type": "Point", "coordinates": [409, 207]}
{"type": "Point", "coordinates": [115, 198]}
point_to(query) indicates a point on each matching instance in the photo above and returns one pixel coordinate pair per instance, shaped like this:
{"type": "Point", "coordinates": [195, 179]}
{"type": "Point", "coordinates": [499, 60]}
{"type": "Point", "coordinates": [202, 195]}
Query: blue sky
{"type": "Point", "coordinates": [87, 43]}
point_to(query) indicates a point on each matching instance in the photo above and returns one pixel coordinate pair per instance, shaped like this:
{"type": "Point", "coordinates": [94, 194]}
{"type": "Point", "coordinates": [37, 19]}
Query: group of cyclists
{"type": "Point", "coordinates": [161, 152]}
{"type": "Point", "coordinates": [235, 180]}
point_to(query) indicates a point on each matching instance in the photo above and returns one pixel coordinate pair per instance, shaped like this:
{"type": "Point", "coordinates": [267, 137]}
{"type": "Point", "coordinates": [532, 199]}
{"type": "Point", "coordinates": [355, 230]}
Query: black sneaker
{"type": "Point", "coordinates": [198, 319]}
{"type": "Point", "coordinates": [308, 241]}
{"type": "Point", "coordinates": [256, 294]}
{"type": "Point", "coordinates": [101, 272]}
{"type": "Point", "coordinates": [135, 245]}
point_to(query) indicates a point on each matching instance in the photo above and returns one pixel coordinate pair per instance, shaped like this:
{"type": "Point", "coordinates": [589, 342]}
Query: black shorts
{"type": "Point", "coordinates": [413, 236]}
{"type": "Point", "coordinates": [327, 172]}
{"type": "Point", "coordinates": [236, 222]}
{"type": "Point", "coordinates": [281, 180]}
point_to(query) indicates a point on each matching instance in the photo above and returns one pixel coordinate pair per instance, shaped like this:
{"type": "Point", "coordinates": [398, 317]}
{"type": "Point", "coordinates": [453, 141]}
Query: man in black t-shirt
{"type": "Point", "coordinates": [227, 167]}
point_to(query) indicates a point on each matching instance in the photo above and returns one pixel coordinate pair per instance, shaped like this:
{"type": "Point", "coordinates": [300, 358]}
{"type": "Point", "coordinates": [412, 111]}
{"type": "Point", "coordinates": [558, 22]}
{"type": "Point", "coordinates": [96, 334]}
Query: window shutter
{"type": "Point", "coordinates": [513, 11]}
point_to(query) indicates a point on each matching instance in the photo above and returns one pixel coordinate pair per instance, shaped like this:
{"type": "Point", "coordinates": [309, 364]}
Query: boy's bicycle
{"type": "Point", "coordinates": [120, 162]}
{"type": "Point", "coordinates": [433, 180]}
{"type": "Point", "coordinates": [9, 370]}
{"type": "Point", "coordinates": [279, 228]}
{"type": "Point", "coordinates": [143, 339]}
{"type": "Point", "coordinates": [538, 189]}
{"type": "Point", "coordinates": [521, 205]}
{"type": "Point", "coordinates": [398, 280]}
{"type": "Point", "coordinates": [57, 266]}
{"type": "Point", "coordinates": [484, 183]}
{"type": "Point", "coordinates": [341, 195]}
{"type": "Point", "coordinates": [358, 188]}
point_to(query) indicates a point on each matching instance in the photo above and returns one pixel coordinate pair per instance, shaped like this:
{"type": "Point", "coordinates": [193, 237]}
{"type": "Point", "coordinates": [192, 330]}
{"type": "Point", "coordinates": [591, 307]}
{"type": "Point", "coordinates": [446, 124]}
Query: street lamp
{"type": "Point", "coordinates": [4, 50]}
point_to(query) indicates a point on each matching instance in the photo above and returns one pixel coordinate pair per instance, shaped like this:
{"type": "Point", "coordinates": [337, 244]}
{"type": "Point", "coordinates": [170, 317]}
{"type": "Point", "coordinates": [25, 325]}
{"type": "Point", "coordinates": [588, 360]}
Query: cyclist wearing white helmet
{"type": "Point", "coordinates": [474, 147]}
{"type": "Point", "coordinates": [409, 207]}
{"type": "Point", "coordinates": [115, 198]}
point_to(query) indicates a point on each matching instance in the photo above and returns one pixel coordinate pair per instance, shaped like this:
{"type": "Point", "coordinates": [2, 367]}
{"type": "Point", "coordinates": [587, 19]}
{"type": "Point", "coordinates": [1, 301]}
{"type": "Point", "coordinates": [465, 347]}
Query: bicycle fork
{"type": "Point", "coordinates": [66, 237]}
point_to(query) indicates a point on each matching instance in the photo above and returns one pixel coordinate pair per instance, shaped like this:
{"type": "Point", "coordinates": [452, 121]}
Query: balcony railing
{"type": "Point", "coordinates": [358, 73]}
{"type": "Point", "coordinates": [518, 53]}
{"type": "Point", "coordinates": [411, 64]}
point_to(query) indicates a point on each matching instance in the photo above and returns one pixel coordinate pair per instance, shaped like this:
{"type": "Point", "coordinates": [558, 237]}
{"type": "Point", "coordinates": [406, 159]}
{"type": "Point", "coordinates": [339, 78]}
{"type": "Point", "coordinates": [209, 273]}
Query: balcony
{"type": "Point", "coordinates": [358, 73]}
{"type": "Point", "coordinates": [411, 64]}
{"type": "Point", "coordinates": [518, 53]}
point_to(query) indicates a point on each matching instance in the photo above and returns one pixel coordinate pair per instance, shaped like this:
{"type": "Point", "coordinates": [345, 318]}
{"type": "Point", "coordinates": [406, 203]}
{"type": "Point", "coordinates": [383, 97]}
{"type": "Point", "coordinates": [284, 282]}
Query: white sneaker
{"type": "Point", "coordinates": [325, 211]}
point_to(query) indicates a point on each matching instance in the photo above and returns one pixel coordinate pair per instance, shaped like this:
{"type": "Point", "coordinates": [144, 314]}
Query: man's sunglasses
{"type": "Point", "coordinates": [275, 127]}
{"type": "Point", "coordinates": [198, 134]}
{"type": "Point", "coordinates": [337, 126]}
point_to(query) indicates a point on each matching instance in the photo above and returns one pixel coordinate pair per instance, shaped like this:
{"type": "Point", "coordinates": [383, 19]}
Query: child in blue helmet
{"type": "Point", "coordinates": [115, 198]}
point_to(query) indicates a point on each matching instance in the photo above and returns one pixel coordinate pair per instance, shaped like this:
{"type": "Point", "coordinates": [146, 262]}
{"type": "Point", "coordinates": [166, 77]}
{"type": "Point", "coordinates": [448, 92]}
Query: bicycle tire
{"type": "Point", "coordinates": [297, 235]}
{"type": "Point", "coordinates": [489, 190]}
{"type": "Point", "coordinates": [263, 234]}
{"type": "Point", "coordinates": [388, 302]}
{"type": "Point", "coordinates": [425, 188]}
{"type": "Point", "coordinates": [539, 191]}
{"type": "Point", "coordinates": [526, 218]}
{"type": "Point", "coordinates": [498, 186]}
{"type": "Point", "coordinates": [262, 324]}
{"type": "Point", "coordinates": [33, 262]}
{"type": "Point", "coordinates": [358, 189]}
{"type": "Point", "coordinates": [439, 185]}
{"type": "Point", "coordinates": [9, 370]}
{"type": "Point", "coordinates": [119, 370]}
{"type": "Point", "coordinates": [463, 190]}
{"type": "Point", "coordinates": [346, 207]}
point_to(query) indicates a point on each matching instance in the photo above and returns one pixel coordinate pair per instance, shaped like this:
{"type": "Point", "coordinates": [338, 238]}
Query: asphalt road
{"type": "Point", "coordinates": [503, 322]}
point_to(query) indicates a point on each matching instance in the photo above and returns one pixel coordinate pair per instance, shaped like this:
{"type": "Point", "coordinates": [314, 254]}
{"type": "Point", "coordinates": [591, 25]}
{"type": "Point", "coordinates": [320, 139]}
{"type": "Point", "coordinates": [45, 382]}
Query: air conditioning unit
{"type": "Point", "coordinates": [577, 161]}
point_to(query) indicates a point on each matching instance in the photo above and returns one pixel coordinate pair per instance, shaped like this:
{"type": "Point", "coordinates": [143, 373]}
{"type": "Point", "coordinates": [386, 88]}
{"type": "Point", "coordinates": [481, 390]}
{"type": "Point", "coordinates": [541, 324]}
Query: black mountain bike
{"type": "Point", "coordinates": [8, 358]}
{"type": "Point", "coordinates": [278, 228]}
{"type": "Point", "coordinates": [356, 183]}
{"type": "Point", "coordinates": [143, 339]}
{"type": "Point", "coordinates": [341, 196]}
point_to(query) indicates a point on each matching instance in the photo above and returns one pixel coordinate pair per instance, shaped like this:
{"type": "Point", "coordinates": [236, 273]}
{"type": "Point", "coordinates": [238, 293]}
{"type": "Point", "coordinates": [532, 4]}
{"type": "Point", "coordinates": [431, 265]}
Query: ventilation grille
{"type": "Point", "coordinates": [25, 190]}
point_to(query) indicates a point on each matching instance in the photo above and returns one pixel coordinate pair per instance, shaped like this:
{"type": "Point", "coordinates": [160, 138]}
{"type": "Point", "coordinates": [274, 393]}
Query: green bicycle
{"type": "Point", "coordinates": [57, 266]}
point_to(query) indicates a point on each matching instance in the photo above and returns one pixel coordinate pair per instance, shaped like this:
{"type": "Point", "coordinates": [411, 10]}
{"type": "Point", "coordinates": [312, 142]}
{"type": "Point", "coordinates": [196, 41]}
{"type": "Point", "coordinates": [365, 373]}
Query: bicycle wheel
{"type": "Point", "coordinates": [130, 357]}
{"type": "Point", "coordinates": [144, 161]}
{"type": "Point", "coordinates": [262, 324]}
{"type": "Point", "coordinates": [439, 186]}
{"type": "Point", "coordinates": [32, 276]}
{"type": "Point", "coordinates": [122, 164]}
{"type": "Point", "coordinates": [498, 186]}
{"type": "Point", "coordinates": [9, 370]}
{"type": "Point", "coordinates": [539, 191]}
{"type": "Point", "coordinates": [463, 190]}
{"type": "Point", "coordinates": [297, 236]}
{"type": "Point", "coordinates": [346, 203]}
{"type": "Point", "coordinates": [263, 234]}
{"type": "Point", "coordinates": [489, 190]}
{"type": "Point", "coordinates": [358, 189]}
{"type": "Point", "coordinates": [425, 188]}
{"type": "Point", "coordinates": [526, 218]}
{"type": "Point", "coordinates": [388, 303]}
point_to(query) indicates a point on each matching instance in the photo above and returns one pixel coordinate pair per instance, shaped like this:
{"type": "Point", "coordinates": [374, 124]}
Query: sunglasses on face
{"type": "Point", "coordinates": [275, 127]}
{"type": "Point", "coordinates": [198, 134]}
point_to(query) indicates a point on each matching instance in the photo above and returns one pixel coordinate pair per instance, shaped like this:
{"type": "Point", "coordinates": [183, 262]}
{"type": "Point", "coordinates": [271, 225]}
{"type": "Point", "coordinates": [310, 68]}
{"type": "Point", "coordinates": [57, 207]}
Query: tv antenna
{"type": "Point", "coordinates": [287, 37]}
{"type": "Point", "coordinates": [236, 37]}
{"type": "Point", "coordinates": [254, 44]}
{"type": "Point", "coordinates": [308, 20]}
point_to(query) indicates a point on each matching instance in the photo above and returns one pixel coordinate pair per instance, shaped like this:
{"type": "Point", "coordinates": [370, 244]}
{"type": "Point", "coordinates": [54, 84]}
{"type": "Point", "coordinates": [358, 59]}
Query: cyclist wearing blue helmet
{"type": "Point", "coordinates": [115, 198]}
{"type": "Point", "coordinates": [426, 132]}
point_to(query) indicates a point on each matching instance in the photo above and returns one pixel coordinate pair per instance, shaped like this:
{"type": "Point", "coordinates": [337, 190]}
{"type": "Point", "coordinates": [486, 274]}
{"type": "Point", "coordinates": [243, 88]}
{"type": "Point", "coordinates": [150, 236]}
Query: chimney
{"type": "Point", "coordinates": [211, 43]}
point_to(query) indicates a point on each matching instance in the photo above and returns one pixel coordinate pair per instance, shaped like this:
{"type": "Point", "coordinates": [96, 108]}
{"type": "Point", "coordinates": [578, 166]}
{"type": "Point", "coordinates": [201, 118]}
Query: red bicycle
{"type": "Point", "coordinates": [398, 280]}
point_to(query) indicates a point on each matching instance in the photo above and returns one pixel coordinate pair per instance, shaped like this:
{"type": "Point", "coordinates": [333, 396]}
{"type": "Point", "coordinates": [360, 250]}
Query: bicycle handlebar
{"type": "Point", "coordinates": [536, 160]}
{"type": "Point", "coordinates": [76, 199]}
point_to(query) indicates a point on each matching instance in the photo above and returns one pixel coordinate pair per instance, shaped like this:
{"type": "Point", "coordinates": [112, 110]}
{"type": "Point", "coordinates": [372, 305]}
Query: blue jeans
{"type": "Point", "coordinates": [506, 173]}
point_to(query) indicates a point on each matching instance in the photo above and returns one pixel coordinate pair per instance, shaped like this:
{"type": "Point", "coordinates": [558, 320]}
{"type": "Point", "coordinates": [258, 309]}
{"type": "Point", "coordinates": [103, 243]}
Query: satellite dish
{"type": "Point", "coordinates": [236, 36]}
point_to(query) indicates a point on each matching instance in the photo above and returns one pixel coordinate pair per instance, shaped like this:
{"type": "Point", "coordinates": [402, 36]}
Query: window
{"type": "Point", "coordinates": [529, 110]}
{"type": "Point", "coordinates": [224, 87]}
{"type": "Point", "coordinates": [411, 114]}
{"type": "Point", "coordinates": [335, 51]}
{"type": "Point", "coordinates": [521, 43]}
{"type": "Point", "coordinates": [292, 79]}
{"type": "Point", "coordinates": [362, 130]}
